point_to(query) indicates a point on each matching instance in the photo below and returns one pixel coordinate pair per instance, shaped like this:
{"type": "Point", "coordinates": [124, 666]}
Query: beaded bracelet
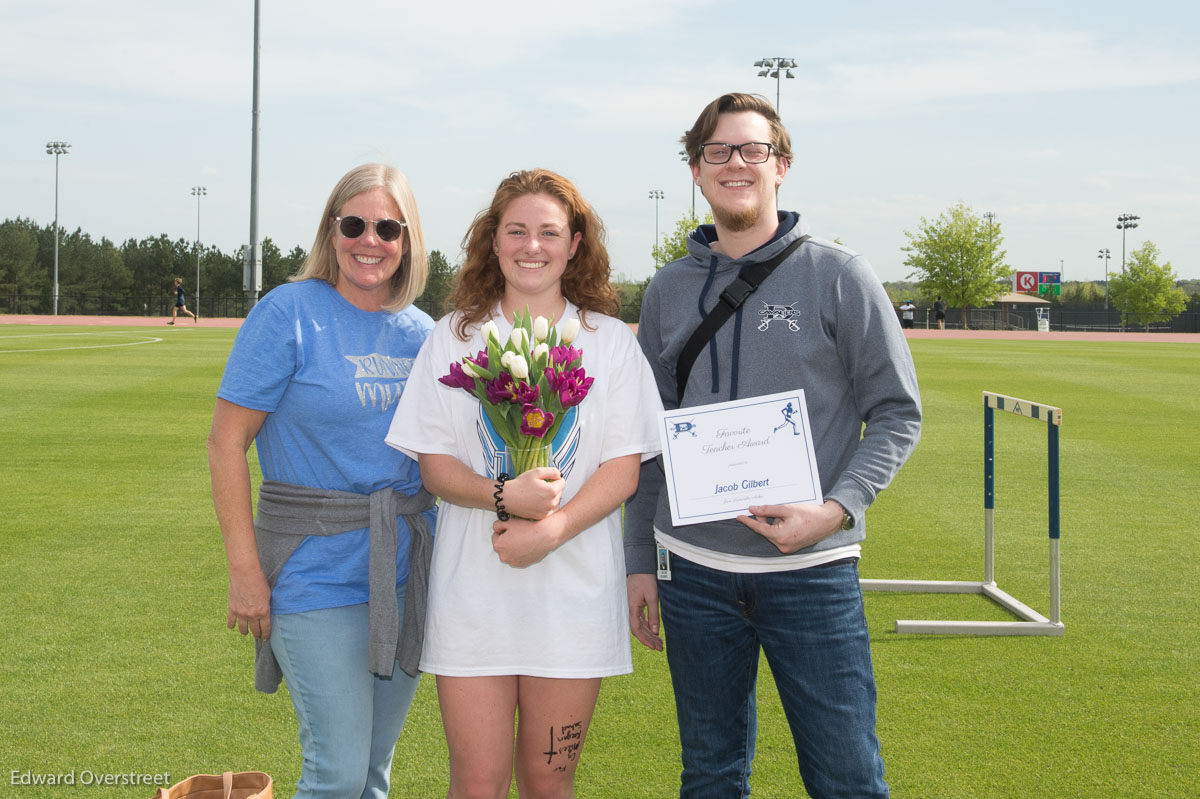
{"type": "Point", "coordinates": [501, 513]}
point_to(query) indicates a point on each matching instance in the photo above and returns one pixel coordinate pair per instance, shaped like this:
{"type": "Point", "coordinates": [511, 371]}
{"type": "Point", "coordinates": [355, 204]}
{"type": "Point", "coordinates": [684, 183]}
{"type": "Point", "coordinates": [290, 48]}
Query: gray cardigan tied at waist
{"type": "Point", "coordinates": [287, 514]}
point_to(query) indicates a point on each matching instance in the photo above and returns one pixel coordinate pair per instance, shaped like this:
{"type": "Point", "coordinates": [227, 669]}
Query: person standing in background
{"type": "Point", "coordinates": [939, 312]}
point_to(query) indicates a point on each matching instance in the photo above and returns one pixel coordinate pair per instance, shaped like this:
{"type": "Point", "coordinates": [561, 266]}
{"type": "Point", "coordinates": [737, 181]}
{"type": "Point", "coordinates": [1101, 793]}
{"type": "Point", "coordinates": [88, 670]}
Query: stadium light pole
{"type": "Point", "coordinates": [1105, 255]}
{"type": "Point", "coordinates": [252, 271]}
{"type": "Point", "coordinates": [683, 156]}
{"type": "Point", "coordinates": [656, 195]}
{"type": "Point", "coordinates": [56, 148]}
{"type": "Point", "coordinates": [777, 68]}
{"type": "Point", "coordinates": [1125, 222]}
{"type": "Point", "coordinates": [198, 192]}
{"type": "Point", "coordinates": [990, 218]}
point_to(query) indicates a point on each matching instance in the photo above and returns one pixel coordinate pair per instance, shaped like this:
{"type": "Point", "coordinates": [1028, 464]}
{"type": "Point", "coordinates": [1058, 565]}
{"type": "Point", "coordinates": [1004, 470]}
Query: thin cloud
{"type": "Point", "coordinates": [935, 67]}
{"type": "Point", "coordinates": [156, 49]}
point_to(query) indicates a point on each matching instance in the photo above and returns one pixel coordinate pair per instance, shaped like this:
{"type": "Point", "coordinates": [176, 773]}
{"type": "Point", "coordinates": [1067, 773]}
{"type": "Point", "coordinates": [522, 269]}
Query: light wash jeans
{"type": "Point", "coordinates": [349, 718]}
{"type": "Point", "coordinates": [811, 626]}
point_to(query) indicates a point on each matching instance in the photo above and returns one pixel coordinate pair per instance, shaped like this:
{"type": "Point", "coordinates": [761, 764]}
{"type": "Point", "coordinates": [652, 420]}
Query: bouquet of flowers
{"type": "Point", "coordinates": [525, 385]}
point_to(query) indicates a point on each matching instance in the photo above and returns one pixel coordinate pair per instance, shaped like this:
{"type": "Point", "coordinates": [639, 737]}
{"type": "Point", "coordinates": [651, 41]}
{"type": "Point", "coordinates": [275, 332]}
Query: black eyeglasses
{"type": "Point", "coordinates": [354, 226]}
{"type": "Point", "coordinates": [753, 152]}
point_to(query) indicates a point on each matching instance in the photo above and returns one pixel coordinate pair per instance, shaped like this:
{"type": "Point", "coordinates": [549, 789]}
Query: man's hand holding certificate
{"type": "Point", "coordinates": [720, 459]}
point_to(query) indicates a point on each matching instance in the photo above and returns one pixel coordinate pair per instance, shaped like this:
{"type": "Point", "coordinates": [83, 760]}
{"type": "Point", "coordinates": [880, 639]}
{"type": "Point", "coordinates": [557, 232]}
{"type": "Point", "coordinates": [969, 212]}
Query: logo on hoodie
{"type": "Point", "coordinates": [779, 313]}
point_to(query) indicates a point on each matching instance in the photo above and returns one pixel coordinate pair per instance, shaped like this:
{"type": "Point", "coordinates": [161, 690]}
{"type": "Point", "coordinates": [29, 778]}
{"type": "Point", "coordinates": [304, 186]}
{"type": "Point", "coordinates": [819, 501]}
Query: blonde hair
{"type": "Point", "coordinates": [409, 280]}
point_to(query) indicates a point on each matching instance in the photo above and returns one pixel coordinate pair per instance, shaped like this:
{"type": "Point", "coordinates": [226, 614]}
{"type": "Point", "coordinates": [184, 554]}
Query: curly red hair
{"type": "Point", "coordinates": [479, 284]}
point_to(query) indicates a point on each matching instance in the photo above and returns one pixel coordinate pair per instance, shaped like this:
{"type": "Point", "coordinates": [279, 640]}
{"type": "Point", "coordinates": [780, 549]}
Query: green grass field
{"type": "Point", "coordinates": [115, 659]}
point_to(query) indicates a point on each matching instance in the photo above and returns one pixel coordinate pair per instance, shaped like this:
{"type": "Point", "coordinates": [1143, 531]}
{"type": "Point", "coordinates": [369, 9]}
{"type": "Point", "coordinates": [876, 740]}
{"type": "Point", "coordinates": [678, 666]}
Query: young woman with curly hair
{"type": "Point", "coordinates": [528, 614]}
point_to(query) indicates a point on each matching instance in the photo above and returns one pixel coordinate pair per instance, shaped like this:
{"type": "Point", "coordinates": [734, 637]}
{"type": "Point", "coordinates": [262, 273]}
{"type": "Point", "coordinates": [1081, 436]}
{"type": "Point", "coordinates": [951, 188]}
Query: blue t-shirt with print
{"type": "Point", "coordinates": [329, 375]}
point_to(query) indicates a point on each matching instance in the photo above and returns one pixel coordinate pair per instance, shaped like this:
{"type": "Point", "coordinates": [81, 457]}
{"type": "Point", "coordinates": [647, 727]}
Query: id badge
{"type": "Point", "coordinates": [664, 563]}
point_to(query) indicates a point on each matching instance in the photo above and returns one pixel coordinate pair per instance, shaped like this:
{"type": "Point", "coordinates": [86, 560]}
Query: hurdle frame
{"type": "Point", "coordinates": [1033, 623]}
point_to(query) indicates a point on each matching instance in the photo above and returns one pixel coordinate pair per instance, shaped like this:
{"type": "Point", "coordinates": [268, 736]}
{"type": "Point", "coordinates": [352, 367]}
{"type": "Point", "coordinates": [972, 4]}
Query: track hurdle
{"type": "Point", "coordinates": [1033, 623]}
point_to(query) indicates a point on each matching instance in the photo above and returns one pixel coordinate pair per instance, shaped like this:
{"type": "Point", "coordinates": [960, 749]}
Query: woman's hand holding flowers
{"type": "Point", "coordinates": [534, 494]}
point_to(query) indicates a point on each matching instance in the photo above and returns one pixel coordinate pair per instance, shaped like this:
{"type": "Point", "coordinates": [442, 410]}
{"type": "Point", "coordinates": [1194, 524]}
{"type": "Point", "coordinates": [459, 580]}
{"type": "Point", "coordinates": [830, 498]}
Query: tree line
{"type": "Point", "coordinates": [136, 277]}
{"type": "Point", "coordinates": [130, 276]}
{"type": "Point", "coordinates": [960, 256]}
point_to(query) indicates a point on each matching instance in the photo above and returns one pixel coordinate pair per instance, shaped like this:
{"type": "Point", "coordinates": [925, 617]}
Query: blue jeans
{"type": "Point", "coordinates": [349, 718]}
{"type": "Point", "coordinates": [811, 626]}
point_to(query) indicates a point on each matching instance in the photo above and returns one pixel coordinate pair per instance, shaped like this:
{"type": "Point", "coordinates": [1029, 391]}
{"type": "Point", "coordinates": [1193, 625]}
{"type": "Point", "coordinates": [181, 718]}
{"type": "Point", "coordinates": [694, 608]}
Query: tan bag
{"type": "Point", "coordinates": [230, 785]}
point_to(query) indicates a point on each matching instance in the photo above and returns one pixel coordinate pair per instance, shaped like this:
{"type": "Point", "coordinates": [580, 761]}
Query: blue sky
{"type": "Point", "coordinates": [1056, 116]}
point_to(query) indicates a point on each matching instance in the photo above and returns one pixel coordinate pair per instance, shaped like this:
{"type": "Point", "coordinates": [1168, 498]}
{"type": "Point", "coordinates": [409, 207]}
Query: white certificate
{"type": "Point", "coordinates": [720, 459]}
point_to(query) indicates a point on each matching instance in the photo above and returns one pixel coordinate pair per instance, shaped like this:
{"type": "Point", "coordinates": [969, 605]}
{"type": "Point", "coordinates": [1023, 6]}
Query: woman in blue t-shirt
{"type": "Point", "coordinates": [321, 578]}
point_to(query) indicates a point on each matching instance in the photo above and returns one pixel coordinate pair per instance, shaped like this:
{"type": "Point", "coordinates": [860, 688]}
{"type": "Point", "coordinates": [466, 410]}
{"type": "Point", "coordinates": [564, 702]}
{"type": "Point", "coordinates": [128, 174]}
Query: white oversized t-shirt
{"type": "Point", "coordinates": [565, 616]}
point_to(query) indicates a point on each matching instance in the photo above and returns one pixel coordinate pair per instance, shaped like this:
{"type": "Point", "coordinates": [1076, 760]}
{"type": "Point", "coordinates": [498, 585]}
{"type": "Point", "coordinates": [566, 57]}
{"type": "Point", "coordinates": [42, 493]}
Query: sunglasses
{"type": "Point", "coordinates": [354, 226]}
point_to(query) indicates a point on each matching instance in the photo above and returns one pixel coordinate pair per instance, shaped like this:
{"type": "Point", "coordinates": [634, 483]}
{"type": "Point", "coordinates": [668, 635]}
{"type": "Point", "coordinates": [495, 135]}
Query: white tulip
{"type": "Point", "coordinates": [517, 338]}
{"type": "Point", "coordinates": [490, 331]}
{"type": "Point", "coordinates": [541, 328]}
{"type": "Point", "coordinates": [541, 351]}
{"type": "Point", "coordinates": [570, 329]}
{"type": "Point", "coordinates": [518, 368]}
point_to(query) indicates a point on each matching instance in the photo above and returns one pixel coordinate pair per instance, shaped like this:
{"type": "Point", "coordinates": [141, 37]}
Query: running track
{"type": "Point", "coordinates": [955, 335]}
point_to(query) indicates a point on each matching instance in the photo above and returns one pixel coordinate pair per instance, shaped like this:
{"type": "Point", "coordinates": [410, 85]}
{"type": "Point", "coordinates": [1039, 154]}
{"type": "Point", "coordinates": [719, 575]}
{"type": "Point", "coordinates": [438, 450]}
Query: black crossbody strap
{"type": "Point", "coordinates": [732, 298]}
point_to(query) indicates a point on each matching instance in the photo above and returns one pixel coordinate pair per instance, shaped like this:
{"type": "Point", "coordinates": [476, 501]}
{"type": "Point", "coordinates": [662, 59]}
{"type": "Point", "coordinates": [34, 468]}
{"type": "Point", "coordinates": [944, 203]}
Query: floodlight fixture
{"type": "Point", "coordinates": [777, 68]}
{"type": "Point", "coordinates": [1125, 222]}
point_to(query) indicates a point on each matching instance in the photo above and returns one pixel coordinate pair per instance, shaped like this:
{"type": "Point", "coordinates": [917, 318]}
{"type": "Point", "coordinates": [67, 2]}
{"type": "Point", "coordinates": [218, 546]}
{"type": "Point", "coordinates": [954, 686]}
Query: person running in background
{"type": "Point", "coordinates": [180, 302]}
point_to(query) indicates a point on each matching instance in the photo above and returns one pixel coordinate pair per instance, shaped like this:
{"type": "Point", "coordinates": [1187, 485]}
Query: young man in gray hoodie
{"type": "Point", "coordinates": [786, 578]}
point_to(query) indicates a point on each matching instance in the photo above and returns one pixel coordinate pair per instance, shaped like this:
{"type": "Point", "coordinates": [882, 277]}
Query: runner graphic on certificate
{"type": "Point", "coordinates": [720, 459]}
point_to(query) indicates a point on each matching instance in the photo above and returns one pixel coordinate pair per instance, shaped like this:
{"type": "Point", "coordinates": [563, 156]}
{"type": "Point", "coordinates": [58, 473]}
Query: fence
{"type": "Point", "coordinates": [235, 306]}
{"type": "Point", "coordinates": [1025, 318]}
{"type": "Point", "coordinates": [228, 306]}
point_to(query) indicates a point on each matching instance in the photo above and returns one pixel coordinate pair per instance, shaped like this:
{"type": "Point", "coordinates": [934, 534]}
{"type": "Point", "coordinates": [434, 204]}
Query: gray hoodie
{"type": "Point", "coordinates": [821, 322]}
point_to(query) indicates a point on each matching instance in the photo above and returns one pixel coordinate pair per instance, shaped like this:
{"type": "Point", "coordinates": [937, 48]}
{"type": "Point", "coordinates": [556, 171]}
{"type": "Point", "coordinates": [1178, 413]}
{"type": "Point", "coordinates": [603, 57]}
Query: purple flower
{"type": "Point", "coordinates": [556, 376]}
{"type": "Point", "coordinates": [525, 393]}
{"type": "Point", "coordinates": [506, 389]}
{"type": "Point", "coordinates": [458, 378]}
{"type": "Point", "coordinates": [572, 389]}
{"type": "Point", "coordinates": [555, 379]}
{"type": "Point", "coordinates": [500, 390]}
{"type": "Point", "coordinates": [478, 364]}
{"type": "Point", "coordinates": [535, 422]}
{"type": "Point", "coordinates": [564, 356]}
